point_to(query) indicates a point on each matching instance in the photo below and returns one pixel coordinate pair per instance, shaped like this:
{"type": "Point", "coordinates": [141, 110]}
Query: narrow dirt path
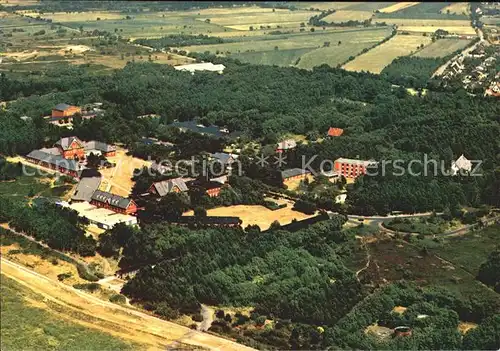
{"type": "Point", "coordinates": [123, 322]}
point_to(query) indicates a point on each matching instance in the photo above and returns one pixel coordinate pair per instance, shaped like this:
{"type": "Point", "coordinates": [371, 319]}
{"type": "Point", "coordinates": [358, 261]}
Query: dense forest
{"type": "Point", "coordinates": [380, 121]}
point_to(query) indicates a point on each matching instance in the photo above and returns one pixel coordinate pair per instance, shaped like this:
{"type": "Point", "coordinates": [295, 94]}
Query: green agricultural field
{"type": "Point", "coordinates": [286, 49]}
{"type": "Point", "coordinates": [442, 48]}
{"type": "Point", "coordinates": [274, 57]}
{"type": "Point", "coordinates": [424, 10]}
{"type": "Point", "coordinates": [27, 326]}
{"type": "Point", "coordinates": [379, 57]}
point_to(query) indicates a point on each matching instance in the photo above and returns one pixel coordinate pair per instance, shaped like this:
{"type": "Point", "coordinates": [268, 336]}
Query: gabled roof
{"type": "Point", "coordinates": [223, 157]}
{"type": "Point", "coordinates": [335, 131]}
{"type": "Point", "coordinates": [111, 199]}
{"type": "Point", "coordinates": [287, 144]}
{"type": "Point", "coordinates": [166, 186]}
{"type": "Point", "coordinates": [462, 163]}
{"type": "Point", "coordinates": [65, 143]}
{"type": "Point", "coordinates": [161, 168]}
{"type": "Point", "coordinates": [56, 160]}
{"type": "Point", "coordinates": [62, 107]}
{"type": "Point", "coordinates": [212, 130]}
{"type": "Point", "coordinates": [99, 145]}
{"type": "Point", "coordinates": [292, 172]}
{"type": "Point", "coordinates": [86, 188]}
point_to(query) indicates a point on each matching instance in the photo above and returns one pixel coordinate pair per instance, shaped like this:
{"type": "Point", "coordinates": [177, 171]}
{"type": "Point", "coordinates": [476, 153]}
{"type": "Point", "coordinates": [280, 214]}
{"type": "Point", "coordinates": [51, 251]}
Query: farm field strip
{"type": "Point", "coordinates": [397, 6]}
{"type": "Point", "coordinates": [315, 40]}
{"type": "Point", "coordinates": [377, 58]}
{"type": "Point", "coordinates": [425, 22]}
{"type": "Point", "coordinates": [442, 47]}
{"type": "Point", "coordinates": [292, 16]}
{"type": "Point", "coordinates": [458, 8]}
{"type": "Point", "coordinates": [325, 5]}
{"type": "Point", "coordinates": [451, 29]}
{"type": "Point", "coordinates": [347, 15]}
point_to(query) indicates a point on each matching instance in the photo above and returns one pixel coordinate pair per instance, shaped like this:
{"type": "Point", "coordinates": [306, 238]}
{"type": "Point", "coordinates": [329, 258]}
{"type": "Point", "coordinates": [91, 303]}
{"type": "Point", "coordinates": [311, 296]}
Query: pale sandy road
{"type": "Point", "coordinates": [117, 320]}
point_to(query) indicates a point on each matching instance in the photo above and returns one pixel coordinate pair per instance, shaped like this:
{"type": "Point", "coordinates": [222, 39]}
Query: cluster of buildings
{"type": "Point", "coordinates": [69, 154]}
{"type": "Point", "coordinates": [63, 114]}
{"type": "Point", "coordinates": [474, 76]}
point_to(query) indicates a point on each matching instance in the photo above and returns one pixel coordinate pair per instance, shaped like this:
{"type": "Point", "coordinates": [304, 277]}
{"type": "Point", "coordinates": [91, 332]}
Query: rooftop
{"type": "Point", "coordinates": [166, 186]}
{"type": "Point", "coordinates": [56, 160]}
{"type": "Point", "coordinates": [292, 172]}
{"type": "Point", "coordinates": [86, 188]}
{"type": "Point", "coordinates": [355, 162]}
{"type": "Point", "coordinates": [111, 199]}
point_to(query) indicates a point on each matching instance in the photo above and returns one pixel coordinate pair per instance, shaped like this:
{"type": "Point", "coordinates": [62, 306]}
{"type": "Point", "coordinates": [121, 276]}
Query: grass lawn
{"type": "Point", "coordinates": [27, 325]}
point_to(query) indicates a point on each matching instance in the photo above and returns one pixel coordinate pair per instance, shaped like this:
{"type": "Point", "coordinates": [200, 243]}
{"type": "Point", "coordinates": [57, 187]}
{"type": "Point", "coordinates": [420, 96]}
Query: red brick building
{"type": "Point", "coordinates": [351, 168]}
{"type": "Point", "coordinates": [65, 110]}
{"type": "Point", "coordinates": [164, 187]}
{"type": "Point", "coordinates": [113, 202]}
{"type": "Point", "coordinates": [71, 148]}
{"type": "Point", "coordinates": [335, 132]}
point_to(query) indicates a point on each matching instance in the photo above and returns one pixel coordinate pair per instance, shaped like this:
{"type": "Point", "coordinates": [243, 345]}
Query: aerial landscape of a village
{"type": "Point", "coordinates": [249, 175]}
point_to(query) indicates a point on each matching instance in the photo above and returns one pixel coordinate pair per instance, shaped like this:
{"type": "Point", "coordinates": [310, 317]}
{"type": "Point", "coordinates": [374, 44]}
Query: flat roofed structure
{"type": "Point", "coordinates": [86, 188]}
{"type": "Point", "coordinates": [204, 66]}
{"type": "Point", "coordinates": [101, 217]}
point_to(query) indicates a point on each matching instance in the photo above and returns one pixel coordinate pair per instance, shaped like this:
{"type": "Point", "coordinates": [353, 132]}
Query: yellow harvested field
{"type": "Point", "coordinates": [78, 16]}
{"type": "Point", "coordinates": [345, 15]}
{"type": "Point", "coordinates": [257, 215]}
{"type": "Point", "coordinates": [377, 58]}
{"type": "Point", "coordinates": [437, 23]}
{"type": "Point", "coordinates": [398, 6]}
{"type": "Point", "coordinates": [451, 29]}
{"type": "Point", "coordinates": [457, 8]}
{"type": "Point", "coordinates": [263, 18]}
{"type": "Point", "coordinates": [325, 5]}
{"type": "Point", "coordinates": [118, 179]}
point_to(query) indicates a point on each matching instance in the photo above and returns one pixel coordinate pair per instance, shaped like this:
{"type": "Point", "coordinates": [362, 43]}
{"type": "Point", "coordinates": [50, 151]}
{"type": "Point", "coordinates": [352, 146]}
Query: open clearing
{"type": "Point", "coordinates": [376, 59]}
{"type": "Point", "coordinates": [398, 6]}
{"type": "Point", "coordinates": [442, 47]}
{"type": "Point", "coordinates": [118, 179]}
{"type": "Point", "coordinates": [257, 215]}
{"type": "Point", "coordinates": [125, 323]}
{"type": "Point", "coordinates": [346, 15]}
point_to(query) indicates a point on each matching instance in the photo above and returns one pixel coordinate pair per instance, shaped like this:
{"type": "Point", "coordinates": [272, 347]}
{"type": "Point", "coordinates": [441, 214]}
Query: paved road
{"type": "Point", "coordinates": [131, 323]}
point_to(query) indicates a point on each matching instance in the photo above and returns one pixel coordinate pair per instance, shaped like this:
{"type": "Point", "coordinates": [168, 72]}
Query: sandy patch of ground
{"type": "Point", "coordinates": [464, 327]}
{"type": "Point", "coordinates": [380, 332]}
{"type": "Point", "coordinates": [398, 6]}
{"type": "Point", "coordinates": [74, 49]}
{"type": "Point", "coordinates": [257, 215]}
{"type": "Point", "coordinates": [118, 180]}
{"type": "Point", "coordinates": [399, 309]}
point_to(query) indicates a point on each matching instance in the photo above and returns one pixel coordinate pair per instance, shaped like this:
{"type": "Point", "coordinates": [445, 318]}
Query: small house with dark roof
{"type": "Point", "coordinates": [335, 132]}
{"type": "Point", "coordinates": [113, 202]}
{"type": "Point", "coordinates": [65, 110]}
{"type": "Point", "coordinates": [164, 187]}
{"type": "Point", "coordinates": [55, 162]}
{"type": "Point", "coordinates": [290, 174]}
{"type": "Point", "coordinates": [161, 167]}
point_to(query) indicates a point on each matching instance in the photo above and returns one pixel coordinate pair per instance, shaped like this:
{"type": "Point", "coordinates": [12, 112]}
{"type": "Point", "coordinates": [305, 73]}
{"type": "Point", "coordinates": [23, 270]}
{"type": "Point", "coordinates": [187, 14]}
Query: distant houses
{"type": "Point", "coordinates": [212, 130]}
